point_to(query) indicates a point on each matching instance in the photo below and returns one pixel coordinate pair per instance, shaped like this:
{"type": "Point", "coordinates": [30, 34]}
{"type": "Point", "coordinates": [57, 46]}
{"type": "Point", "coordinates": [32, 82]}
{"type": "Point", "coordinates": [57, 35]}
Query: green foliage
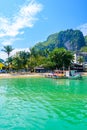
{"type": "Point", "coordinates": [32, 62]}
{"type": "Point", "coordinates": [20, 60]}
{"type": "Point", "coordinates": [70, 39]}
{"type": "Point", "coordinates": [24, 57]}
{"type": "Point", "coordinates": [36, 53]}
{"type": "Point", "coordinates": [61, 58]}
{"type": "Point", "coordinates": [17, 63]}
{"type": "Point", "coordinates": [7, 49]}
{"type": "Point", "coordinates": [84, 49]}
{"type": "Point", "coordinates": [85, 39]}
{"type": "Point", "coordinates": [80, 59]}
{"type": "Point", "coordinates": [49, 65]}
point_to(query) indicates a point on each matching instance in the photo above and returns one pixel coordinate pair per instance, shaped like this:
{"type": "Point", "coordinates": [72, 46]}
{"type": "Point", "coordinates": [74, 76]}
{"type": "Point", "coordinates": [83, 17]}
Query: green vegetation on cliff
{"type": "Point", "coordinates": [70, 39]}
{"type": "Point", "coordinates": [86, 40]}
{"type": "Point", "coordinates": [84, 49]}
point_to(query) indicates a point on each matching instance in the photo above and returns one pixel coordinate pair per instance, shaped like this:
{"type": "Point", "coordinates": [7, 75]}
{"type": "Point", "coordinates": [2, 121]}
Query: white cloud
{"type": "Point", "coordinates": [25, 18]}
{"type": "Point", "coordinates": [83, 28]}
{"type": "Point", "coordinates": [9, 41]}
{"type": "Point", "coordinates": [3, 55]}
{"type": "Point", "coordinates": [19, 49]}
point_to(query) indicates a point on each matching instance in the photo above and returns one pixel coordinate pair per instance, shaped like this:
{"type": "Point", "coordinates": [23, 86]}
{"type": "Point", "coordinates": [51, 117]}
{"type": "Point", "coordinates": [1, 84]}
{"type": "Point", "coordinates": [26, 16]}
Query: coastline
{"type": "Point", "coordinates": [83, 73]}
{"type": "Point", "coordinates": [28, 75]}
{"type": "Point", "coordinates": [19, 75]}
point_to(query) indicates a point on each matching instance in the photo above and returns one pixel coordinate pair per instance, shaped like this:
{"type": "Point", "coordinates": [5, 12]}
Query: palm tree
{"type": "Point", "coordinates": [24, 56]}
{"type": "Point", "coordinates": [8, 49]}
{"type": "Point", "coordinates": [20, 60]}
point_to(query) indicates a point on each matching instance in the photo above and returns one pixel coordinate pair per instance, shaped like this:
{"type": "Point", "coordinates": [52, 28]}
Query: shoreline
{"type": "Point", "coordinates": [18, 75]}
{"type": "Point", "coordinates": [28, 75]}
{"type": "Point", "coordinates": [83, 73]}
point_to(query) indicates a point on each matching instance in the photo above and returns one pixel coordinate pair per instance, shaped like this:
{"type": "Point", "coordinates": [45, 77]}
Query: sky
{"type": "Point", "coordinates": [23, 23]}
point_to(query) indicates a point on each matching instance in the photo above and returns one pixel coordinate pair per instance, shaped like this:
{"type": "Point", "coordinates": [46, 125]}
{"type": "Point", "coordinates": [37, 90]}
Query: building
{"type": "Point", "coordinates": [80, 60]}
{"type": "Point", "coordinates": [80, 54]}
{"type": "Point", "coordinates": [39, 70]}
{"type": "Point", "coordinates": [2, 64]}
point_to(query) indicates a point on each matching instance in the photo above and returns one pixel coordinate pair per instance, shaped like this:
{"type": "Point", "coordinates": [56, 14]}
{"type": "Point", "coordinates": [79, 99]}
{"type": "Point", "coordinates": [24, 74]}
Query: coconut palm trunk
{"type": "Point", "coordinates": [8, 49]}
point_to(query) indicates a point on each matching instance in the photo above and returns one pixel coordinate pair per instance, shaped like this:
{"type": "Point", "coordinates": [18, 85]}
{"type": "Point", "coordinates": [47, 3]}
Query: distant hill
{"type": "Point", "coordinates": [72, 40]}
{"type": "Point", "coordinates": [85, 39]}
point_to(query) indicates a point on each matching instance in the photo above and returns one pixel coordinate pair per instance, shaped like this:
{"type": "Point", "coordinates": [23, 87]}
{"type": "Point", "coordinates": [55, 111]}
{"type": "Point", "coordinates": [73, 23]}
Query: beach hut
{"type": "Point", "coordinates": [39, 69]}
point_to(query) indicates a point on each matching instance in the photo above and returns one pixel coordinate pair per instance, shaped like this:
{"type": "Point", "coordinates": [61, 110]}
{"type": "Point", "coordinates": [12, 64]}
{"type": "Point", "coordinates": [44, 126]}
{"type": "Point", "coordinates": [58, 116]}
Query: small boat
{"type": "Point", "coordinates": [74, 75]}
{"type": "Point", "coordinates": [49, 75]}
{"type": "Point", "coordinates": [57, 74]}
{"type": "Point", "coordinates": [77, 76]}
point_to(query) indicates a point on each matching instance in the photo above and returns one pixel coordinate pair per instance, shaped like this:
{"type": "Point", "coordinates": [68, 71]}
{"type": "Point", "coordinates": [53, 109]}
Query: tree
{"type": "Point", "coordinates": [8, 49]}
{"type": "Point", "coordinates": [20, 60]}
{"type": "Point", "coordinates": [32, 62]}
{"type": "Point", "coordinates": [61, 58]}
{"type": "Point", "coordinates": [24, 56]}
{"type": "Point", "coordinates": [10, 60]}
{"type": "Point", "coordinates": [16, 63]}
{"type": "Point", "coordinates": [80, 59]}
{"type": "Point", "coordinates": [84, 49]}
{"type": "Point", "coordinates": [33, 52]}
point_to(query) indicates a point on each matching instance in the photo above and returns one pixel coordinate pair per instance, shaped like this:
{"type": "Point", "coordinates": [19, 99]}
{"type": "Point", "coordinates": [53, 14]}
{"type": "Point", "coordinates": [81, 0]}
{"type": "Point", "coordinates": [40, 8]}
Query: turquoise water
{"type": "Point", "coordinates": [43, 104]}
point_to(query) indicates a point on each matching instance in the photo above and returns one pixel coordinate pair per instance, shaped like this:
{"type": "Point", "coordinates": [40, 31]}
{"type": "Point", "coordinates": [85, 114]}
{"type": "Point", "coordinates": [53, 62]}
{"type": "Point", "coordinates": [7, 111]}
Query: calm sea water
{"type": "Point", "coordinates": [43, 104]}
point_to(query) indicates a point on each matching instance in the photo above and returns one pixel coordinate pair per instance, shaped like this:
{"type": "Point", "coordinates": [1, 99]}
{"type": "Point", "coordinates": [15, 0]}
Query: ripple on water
{"type": "Point", "coordinates": [44, 104]}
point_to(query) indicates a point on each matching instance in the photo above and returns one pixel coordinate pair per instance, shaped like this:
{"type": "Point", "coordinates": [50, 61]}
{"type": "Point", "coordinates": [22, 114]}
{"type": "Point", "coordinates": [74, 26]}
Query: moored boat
{"type": "Point", "coordinates": [72, 74]}
{"type": "Point", "coordinates": [59, 74]}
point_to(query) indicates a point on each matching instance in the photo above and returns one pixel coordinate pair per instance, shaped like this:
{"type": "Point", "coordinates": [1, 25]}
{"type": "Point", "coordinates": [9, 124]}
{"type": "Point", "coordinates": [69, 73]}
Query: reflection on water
{"type": "Point", "coordinates": [43, 104]}
{"type": "Point", "coordinates": [62, 82]}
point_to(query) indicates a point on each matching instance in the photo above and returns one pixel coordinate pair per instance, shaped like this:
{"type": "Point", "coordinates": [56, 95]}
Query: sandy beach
{"type": "Point", "coordinates": [83, 73]}
{"type": "Point", "coordinates": [18, 75]}
{"type": "Point", "coordinates": [23, 75]}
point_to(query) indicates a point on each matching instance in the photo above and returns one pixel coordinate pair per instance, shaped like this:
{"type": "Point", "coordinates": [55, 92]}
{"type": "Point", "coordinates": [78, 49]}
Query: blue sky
{"type": "Point", "coordinates": [23, 23]}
